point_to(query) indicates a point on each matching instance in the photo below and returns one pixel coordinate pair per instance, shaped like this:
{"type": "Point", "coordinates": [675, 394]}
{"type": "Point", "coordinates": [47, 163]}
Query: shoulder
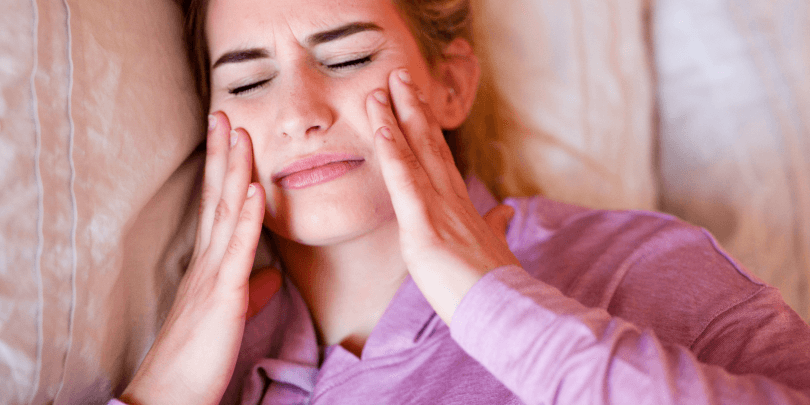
{"type": "Point", "coordinates": [649, 268]}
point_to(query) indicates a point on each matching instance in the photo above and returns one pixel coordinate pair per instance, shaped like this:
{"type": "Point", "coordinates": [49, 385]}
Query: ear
{"type": "Point", "coordinates": [456, 75]}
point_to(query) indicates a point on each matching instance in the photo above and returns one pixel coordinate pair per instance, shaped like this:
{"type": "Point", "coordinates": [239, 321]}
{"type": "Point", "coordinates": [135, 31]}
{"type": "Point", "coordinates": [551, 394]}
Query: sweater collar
{"type": "Point", "coordinates": [409, 319]}
{"type": "Point", "coordinates": [280, 354]}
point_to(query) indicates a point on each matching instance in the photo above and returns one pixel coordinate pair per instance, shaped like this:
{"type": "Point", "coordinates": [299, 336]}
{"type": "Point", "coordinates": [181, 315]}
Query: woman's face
{"type": "Point", "coordinates": [296, 74]}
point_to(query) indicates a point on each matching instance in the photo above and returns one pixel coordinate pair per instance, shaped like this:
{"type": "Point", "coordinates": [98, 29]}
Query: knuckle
{"type": "Point", "coordinates": [208, 194]}
{"type": "Point", "coordinates": [410, 184]}
{"type": "Point", "coordinates": [435, 148]}
{"type": "Point", "coordinates": [411, 162]}
{"type": "Point", "coordinates": [237, 164]}
{"type": "Point", "coordinates": [222, 211]}
{"type": "Point", "coordinates": [391, 123]}
{"type": "Point", "coordinates": [413, 186]}
{"type": "Point", "coordinates": [207, 198]}
{"type": "Point", "coordinates": [235, 246]}
{"type": "Point", "coordinates": [246, 215]}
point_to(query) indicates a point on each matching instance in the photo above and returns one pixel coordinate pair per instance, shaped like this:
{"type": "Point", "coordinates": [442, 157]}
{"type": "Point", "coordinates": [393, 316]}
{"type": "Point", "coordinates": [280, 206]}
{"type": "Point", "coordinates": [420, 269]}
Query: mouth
{"type": "Point", "coordinates": [316, 169]}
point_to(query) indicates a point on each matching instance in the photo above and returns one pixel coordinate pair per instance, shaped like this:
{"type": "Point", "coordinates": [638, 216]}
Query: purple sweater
{"type": "Point", "coordinates": [608, 307]}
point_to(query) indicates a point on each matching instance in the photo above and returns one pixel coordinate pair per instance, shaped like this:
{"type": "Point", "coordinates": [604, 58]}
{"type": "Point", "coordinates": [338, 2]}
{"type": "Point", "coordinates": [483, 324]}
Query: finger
{"type": "Point", "coordinates": [262, 286]}
{"type": "Point", "coordinates": [402, 173]}
{"type": "Point", "coordinates": [216, 162]}
{"type": "Point", "coordinates": [234, 190]}
{"type": "Point", "coordinates": [422, 132]}
{"type": "Point", "coordinates": [498, 219]}
{"type": "Point", "coordinates": [399, 158]}
{"type": "Point", "coordinates": [241, 247]}
{"type": "Point", "coordinates": [435, 141]}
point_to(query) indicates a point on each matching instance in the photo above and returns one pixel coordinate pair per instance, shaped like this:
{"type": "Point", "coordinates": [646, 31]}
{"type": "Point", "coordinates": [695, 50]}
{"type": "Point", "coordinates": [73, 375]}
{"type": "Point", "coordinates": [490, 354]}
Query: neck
{"type": "Point", "coordinates": [347, 286]}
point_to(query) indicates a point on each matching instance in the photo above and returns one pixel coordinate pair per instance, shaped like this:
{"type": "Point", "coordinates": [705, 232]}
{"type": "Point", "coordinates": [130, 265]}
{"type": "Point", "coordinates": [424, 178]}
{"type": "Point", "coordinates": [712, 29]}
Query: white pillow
{"type": "Point", "coordinates": [568, 100]}
{"type": "Point", "coordinates": [734, 94]}
{"type": "Point", "coordinates": [97, 115]}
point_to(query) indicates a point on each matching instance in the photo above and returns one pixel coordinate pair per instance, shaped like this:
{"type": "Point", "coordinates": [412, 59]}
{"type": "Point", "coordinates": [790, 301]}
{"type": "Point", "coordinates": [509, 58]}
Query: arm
{"type": "Point", "coordinates": [193, 356]}
{"type": "Point", "coordinates": [548, 348]}
{"type": "Point", "coordinates": [544, 346]}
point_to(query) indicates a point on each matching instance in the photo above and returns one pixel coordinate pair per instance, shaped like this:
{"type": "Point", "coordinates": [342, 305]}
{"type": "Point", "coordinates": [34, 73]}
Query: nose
{"type": "Point", "coordinates": [304, 107]}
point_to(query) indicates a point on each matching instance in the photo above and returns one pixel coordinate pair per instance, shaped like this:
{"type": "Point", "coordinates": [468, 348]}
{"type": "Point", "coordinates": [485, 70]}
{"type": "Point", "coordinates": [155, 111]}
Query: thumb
{"type": "Point", "coordinates": [498, 219]}
{"type": "Point", "coordinates": [262, 286]}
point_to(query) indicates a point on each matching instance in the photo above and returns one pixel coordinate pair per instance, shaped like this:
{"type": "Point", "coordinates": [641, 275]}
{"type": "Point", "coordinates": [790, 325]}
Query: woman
{"type": "Point", "coordinates": [395, 289]}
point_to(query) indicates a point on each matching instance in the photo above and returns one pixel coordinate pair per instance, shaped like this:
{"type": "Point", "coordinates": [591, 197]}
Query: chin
{"type": "Point", "coordinates": [330, 215]}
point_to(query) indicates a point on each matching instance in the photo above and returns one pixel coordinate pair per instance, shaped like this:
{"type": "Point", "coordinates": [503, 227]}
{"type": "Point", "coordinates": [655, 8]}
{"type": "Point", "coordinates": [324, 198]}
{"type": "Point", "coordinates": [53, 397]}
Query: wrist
{"type": "Point", "coordinates": [445, 290]}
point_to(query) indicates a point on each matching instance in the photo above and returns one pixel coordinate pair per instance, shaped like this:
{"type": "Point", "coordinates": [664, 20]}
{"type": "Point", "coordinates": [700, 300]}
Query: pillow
{"type": "Point", "coordinates": [567, 99]}
{"type": "Point", "coordinates": [734, 94]}
{"type": "Point", "coordinates": [98, 117]}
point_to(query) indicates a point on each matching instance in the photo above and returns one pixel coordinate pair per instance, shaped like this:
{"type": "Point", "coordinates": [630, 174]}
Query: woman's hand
{"type": "Point", "coordinates": [194, 354]}
{"type": "Point", "coordinates": [446, 244]}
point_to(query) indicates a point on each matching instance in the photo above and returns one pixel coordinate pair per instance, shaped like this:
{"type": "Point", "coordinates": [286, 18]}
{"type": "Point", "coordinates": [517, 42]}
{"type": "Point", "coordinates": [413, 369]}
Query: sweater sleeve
{"type": "Point", "coordinates": [550, 349]}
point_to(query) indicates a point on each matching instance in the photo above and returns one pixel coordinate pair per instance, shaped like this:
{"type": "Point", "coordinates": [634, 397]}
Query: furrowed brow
{"type": "Point", "coordinates": [341, 32]}
{"type": "Point", "coordinates": [245, 55]}
{"type": "Point", "coordinates": [241, 55]}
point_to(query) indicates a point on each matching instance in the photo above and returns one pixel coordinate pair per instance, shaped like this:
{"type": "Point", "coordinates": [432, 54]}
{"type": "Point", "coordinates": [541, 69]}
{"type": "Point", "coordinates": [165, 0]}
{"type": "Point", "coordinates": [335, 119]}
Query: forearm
{"type": "Point", "coordinates": [548, 348]}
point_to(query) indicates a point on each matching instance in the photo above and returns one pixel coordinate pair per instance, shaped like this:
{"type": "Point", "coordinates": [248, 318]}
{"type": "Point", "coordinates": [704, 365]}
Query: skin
{"type": "Point", "coordinates": [405, 210]}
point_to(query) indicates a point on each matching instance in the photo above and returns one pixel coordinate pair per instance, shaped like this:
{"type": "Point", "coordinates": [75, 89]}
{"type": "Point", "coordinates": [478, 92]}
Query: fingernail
{"type": "Point", "coordinates": [381, 97]}
{"type": "Point", "coordinates": [212, 122]}
{"type": "Point", "coordinates": [405, 76]}
{"type": "Point", "coordinates": [251, 190]}
{"type": "Point", "coordinates": [386, 133]}
{"type": "Point", "coordinates": [420, 96]}
{"type": "Point", "coordinates": [234, 138]}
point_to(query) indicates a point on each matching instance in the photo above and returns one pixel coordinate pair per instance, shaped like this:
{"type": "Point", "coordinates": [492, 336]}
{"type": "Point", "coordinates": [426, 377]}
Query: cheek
{"type": "Point", "coordinates": [353, 95]}
{"type": "Point", "coordinates": [421, 75]}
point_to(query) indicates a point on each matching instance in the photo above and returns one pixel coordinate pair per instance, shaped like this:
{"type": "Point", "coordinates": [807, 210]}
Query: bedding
{"type": "Point", "coordinates": [568, 101]}
{"type": "Point", "coordinates": [734, 137]}
{"type": "Point", "coordinates": [699, 108]}
{"type": "Point", "coordinates": [97, 119]}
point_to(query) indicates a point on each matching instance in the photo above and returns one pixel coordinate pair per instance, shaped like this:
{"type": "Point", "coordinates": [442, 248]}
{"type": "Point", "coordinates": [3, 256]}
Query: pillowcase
{"type": "Point", "coordinates": [98, 117]}
{"type": "Point", "coordinates": [566, 105]}
{"type": "Point", "coordinates": [734, 94]}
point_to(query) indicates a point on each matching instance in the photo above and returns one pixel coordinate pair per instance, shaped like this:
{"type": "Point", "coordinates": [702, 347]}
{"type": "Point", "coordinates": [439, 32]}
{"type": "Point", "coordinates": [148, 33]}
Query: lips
{"type": "Point", "coordinates": [316, 169]}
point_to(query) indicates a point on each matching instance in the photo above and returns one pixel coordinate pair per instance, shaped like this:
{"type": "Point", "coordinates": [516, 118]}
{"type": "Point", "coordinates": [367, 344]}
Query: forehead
{"type": "Point", "coordinates": [262, 22]}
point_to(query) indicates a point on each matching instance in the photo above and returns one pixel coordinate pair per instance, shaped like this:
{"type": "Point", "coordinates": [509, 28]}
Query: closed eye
{"type": "Point", "coordinates": [252, 87]}
{"type": "Point", "coordinates": [350, 64]}
{"type": "Point", "coordinates": [249, 88]}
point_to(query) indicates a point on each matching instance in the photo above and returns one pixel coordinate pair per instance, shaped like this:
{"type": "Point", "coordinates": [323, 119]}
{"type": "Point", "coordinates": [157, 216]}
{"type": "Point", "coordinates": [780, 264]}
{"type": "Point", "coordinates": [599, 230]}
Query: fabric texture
{"type": "Point", "coordinates": [612, 307]}
{"type": "Point", "coordinates": [96, 124]}
{"type": "Point", "coordinates": [566, 103]}
{"type": "Point", "coordinates": [734, 97]}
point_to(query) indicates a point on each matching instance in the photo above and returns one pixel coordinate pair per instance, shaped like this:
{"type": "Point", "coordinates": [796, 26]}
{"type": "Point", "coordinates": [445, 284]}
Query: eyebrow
{"type": "Point", "coordinates": [341, 32]}
{"type": "Point", "coordinates": [245, 55]}
{"type": "Point", "coordinates": [241, 55]}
